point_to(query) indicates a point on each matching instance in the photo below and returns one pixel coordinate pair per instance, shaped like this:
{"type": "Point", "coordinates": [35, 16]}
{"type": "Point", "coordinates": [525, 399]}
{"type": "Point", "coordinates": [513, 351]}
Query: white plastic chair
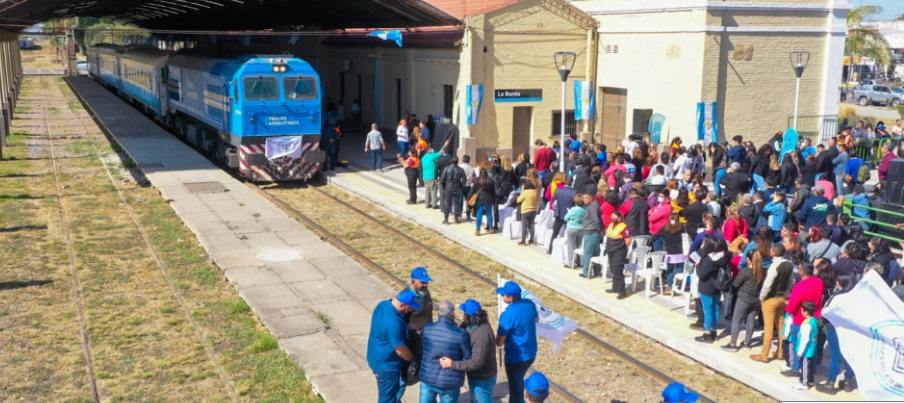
{"type": "Point", "coordinates": [679, 283]}
{"type": "Point", "coordinates": [686, 244]}
{"type": "Point", "coordinates": [578, 251]}
{"type": "Point", "coordinates": [634, 256]}
{"type": "Point", "coordinates": [602, 259]}
{"type": "Point", "coordinates": [641, 241]}
{"type": "Point", "coordinates": [651, 267]}
{"type": "Point", "coordinates": [511, 228]}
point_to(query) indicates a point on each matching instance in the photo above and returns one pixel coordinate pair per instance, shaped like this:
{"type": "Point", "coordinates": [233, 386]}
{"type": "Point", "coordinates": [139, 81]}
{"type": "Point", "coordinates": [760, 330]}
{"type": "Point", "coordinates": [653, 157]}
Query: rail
{"type": "Point", "coordinates": [848, 206]}
{"type": "Point", "coordinates": [652, 372]}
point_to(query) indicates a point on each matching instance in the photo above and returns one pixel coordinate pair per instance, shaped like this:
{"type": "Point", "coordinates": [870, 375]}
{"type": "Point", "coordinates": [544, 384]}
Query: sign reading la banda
{"type": "Point", "coordinates": [529, 95]}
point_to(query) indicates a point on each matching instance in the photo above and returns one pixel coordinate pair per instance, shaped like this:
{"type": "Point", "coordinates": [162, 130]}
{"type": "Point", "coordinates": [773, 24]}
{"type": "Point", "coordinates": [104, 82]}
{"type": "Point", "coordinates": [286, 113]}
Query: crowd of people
{"type": "Point", "coordinates": [406, 346]}
{"type": "Point", "coordinates": [770, 244]}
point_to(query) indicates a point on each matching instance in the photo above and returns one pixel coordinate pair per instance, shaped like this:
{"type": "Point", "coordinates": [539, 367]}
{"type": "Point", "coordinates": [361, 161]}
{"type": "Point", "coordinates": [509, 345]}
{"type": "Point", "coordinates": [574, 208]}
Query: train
{"type": "Point", "coordinates": [258, 114]}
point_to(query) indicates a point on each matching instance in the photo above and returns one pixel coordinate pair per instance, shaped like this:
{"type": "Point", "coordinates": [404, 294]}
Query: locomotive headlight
{"type": "Point", "coordinates": [279, 68]}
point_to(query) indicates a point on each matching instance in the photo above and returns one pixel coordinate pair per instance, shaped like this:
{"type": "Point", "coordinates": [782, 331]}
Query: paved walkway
{"type": "Point", "coordinates": [650, 317]}
{"type": "Point", "coordinates": [285, 272]}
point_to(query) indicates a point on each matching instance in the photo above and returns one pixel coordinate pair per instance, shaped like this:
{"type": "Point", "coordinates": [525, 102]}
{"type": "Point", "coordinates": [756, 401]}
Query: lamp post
{"type": "Point", "coordinates": [564, 64]}
{"type": "Point", "coordinates": [799, 61]}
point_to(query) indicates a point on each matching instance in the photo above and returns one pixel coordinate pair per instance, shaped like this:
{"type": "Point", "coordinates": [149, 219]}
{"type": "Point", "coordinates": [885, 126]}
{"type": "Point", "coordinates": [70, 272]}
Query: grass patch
{"type": "Point", "coordinates": [264, 342]}
{"type": "Point", "coordinates": [325, 319]}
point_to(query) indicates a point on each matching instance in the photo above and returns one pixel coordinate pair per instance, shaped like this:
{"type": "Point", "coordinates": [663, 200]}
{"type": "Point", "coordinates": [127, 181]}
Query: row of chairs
{"type": "Point", "coordinates": [642, 263]}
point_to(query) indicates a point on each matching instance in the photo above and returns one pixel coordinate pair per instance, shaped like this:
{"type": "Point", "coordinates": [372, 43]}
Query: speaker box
{"type": "Point", "coordinates": [642, 120]}
{"type": "Point", "coordinates": [894, 181]}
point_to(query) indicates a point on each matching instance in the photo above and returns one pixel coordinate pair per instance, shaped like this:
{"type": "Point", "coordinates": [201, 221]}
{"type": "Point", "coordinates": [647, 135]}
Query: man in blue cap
{"type": "Point", "coordinates": [678, 393]}
{"type": "Point", "coordinates": [518, 333]}
{"type": "Point", "coordinates": [387, 349]}
{"type": "Point", "coordinates": [420, 282]}
{"type": "Point", "coordinates": [536, 388]}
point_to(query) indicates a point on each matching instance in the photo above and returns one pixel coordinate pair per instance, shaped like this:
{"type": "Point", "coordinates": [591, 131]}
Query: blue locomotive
{"type": "Point", "coordinates": [259, 114]}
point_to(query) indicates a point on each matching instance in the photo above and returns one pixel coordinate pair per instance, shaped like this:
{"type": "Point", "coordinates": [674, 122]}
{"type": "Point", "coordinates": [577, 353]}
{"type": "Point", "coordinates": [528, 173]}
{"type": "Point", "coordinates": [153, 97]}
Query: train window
{"type": "Point", "coordinates": [300, 87]}
{"type": "Point", "coordinates": [261, 88]}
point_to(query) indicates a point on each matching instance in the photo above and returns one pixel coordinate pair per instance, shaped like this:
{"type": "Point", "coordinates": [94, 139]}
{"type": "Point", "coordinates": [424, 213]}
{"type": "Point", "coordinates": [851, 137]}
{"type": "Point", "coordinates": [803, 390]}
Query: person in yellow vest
{"type": "Point", "coordinates": [617, 240]}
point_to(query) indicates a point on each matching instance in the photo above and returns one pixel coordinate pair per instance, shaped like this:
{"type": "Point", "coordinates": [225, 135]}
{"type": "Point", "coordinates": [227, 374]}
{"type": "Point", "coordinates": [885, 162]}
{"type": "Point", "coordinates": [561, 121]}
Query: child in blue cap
{"type": "Point", "coordinates": [536, 388]}
{"type": "Point", "coordinates": [678, 393]}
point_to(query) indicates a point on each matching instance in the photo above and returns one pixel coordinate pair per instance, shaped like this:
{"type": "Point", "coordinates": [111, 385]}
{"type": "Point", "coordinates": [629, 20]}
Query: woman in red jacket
{"type": "Point", "coordinates": [735, 226]}
{"type": "Point", "coordinates": [659, 214]}
{"type": "Point", "coordinates": [608, 204]}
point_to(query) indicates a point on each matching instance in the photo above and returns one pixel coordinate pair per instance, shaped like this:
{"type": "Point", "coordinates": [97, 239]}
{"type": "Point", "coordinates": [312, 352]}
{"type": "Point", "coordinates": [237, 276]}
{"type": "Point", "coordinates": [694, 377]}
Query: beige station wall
{"type": "Point", "coordinates": [660, 70]}
{"type": "Point", "coordinates": [422, 72]}
{"type": "Point", "coordinates": [513, 48]}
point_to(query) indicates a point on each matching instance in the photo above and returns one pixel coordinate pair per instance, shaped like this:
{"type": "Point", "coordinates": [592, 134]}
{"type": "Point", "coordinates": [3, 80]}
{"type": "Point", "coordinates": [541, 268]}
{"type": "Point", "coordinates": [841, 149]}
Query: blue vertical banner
{"type": "Point", "coordinates": [391, 35]}
{"type": "Point", "coordinates": [583, 100]}
{"type": "Point", "coordinates": [473, 102]}
{"type": "Point", "coordinates": [789, 143]}
{"type": "Point", "coordinates": [657, 121]}
{"type": "Point", "coordinates": [707, 122]}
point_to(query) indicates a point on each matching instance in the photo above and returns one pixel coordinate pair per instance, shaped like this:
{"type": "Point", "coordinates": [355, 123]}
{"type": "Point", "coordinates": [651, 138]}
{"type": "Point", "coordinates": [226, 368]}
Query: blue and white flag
{"type": "Point", "coordinates": [707, 122]}
{"type": "Point", "coordinates": [246, 40]}
{"type": "Point", "coordinates": [294, 39]}
{"type": "Point", "coordinates": [657, 121]}
{"type": "Point", "coordinates": [552, 326]}
{"type": "Point", "coordinates": [473, 102]}
{"type": "Point", "coordinates": [789, 143]}
{"type": "Point", "coordinates": [583, 100]}
{"type": "Point", "coordinates": [391, 35]}
{"type": "Point", "coordinates": [870, 324]}
{"type": "Point", "coordinates": [288, 146]}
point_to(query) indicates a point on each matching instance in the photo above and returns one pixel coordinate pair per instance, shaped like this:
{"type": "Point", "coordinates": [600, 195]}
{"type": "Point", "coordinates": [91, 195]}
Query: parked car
{"type": "Point", "coordinates": [81, 67]}
{"type": "Point", "coordinates": [879, 94]}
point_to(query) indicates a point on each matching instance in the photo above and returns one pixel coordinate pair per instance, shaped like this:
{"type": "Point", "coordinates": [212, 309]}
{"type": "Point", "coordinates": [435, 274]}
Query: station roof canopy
{"type": "Point", "coordinates": [233, 15]}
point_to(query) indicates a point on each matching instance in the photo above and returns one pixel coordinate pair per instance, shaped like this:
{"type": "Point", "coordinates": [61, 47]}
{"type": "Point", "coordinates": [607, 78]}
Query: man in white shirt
{"type": "Point", "coordinates": [896, 130]}
{"type": "Point", "coordinates": [681, 163]}
{"type": "Point", "coordinates": [629, 145]}
{"type": "Point", "coordinates": [469, 170]}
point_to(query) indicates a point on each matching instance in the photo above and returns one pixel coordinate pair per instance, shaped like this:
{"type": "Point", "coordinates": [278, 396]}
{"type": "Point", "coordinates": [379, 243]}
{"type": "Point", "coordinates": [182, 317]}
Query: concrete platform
{"type": "Point", "coordinates": [650, 317]}
{"type": "Point", "coordinates": [284, 272]}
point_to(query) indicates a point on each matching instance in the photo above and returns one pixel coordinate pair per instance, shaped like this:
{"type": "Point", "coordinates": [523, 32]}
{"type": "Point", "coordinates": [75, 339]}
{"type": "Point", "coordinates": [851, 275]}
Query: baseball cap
{"type": "Point", "coordinates": [537, 384]}
{"type": "Point", "coordinates": [409, 298]}
{"type": "Point", "coordinates": [420, 274]}
{"type": "Point", "coordinates": [678, 393]}
{"type": "Point", "coordinates": [510, 288]}
{"type": "Point", "coordinates": [470, 307]}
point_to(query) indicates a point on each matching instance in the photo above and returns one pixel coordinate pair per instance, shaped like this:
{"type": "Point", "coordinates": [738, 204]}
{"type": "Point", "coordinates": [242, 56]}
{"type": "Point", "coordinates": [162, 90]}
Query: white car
{"type": "Point", "coordinates": [81, 67]}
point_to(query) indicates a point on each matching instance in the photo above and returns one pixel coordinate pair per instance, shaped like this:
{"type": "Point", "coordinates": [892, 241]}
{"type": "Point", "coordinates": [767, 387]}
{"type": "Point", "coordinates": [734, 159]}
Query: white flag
{"type": "Point", "coordinates": [552, 326]}
{"type": "Point", "coordinates": [287, 146]}
{"type": "Point", "coordinates": [583, 100]}
{"type": "Point", "coordinates": [870, 329]}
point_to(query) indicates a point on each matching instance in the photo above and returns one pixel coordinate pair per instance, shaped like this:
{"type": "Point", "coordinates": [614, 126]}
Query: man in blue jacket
{"type": "Point", "coordinates": [443, 339]}
{"type": "Point", "coordinates": [815, 209]}
{"type": "Point", "coordinates": [738, 153]}
{"type": "Point", "coordinates": [518, 333]}
{"type": "Point", "coordinates": [387, 348]}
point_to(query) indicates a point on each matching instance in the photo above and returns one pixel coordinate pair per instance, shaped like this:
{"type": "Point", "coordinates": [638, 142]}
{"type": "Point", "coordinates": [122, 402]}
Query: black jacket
{"type": "Point", "coordinates": [564, 199]}
{"type": "Point", "coordinates": [672, 243]}
{"type": "Point", "coordinates": [707, 271]}
{"type": "Point", "coordinates": [719, 159]}
{"type": "Point", "coordinates": [759, 166]}
{"type": "Point", "coordinates": [637, 218]}
{"type": "Point", "coordinates": [485, 194]}
{"type": "Point", "coordinates": [694, 216]}
{"type": "Point", "coordinates": [735, 183]}
{"type": "Point", "coordinates": [789, 173]}
{"type": "Point", "coordinates": [453, 179]}
{"type": "Point", "coordinates": [751, 214]}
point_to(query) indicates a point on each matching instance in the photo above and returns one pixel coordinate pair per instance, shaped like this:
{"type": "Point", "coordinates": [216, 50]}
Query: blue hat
{"type": "Point", "coordinates": [470, 307]}
{"type": "Point", "coordinates": [537, 384]}
{"type": "Point", "coordinates": [678, 393]}
{"type": "Point", "coordinates": [409, 298]}
{"type": "Point", "coordinates": [420, 274]}
{"type": "Point", "coordinates": [510, 288]}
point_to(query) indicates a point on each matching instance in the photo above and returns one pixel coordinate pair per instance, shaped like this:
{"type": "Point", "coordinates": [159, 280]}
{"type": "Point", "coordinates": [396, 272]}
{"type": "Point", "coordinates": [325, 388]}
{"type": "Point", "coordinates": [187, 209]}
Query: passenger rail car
{"type": "Point", "coordinates": [258, 114]}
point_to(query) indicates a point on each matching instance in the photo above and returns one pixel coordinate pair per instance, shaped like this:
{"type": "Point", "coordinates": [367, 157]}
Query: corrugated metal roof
{"type": "Point", "coordinates": [233, 14]}
{"type": "Point", "coordinates": [466, 8]}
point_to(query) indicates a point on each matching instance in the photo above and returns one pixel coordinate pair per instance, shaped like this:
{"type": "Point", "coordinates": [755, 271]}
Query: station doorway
{"type": "Point", "coordinates": [522, 120]}
{"type": "Point", "coordinates": [613, 115]}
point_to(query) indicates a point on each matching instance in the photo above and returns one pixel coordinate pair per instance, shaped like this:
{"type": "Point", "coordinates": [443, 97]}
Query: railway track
{"type": "Point", "coordinates": [562, 393]}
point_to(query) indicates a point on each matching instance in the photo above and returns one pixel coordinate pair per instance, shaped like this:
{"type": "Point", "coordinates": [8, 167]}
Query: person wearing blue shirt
{"type": "Point", "coordinates": [425, 131]}
{"type": "Point", "coordinates": [806, 149]}
{"type": "Point", "coordinates": [860, 199]}
{"type": "Point", "coordinates": [518, 333]}
{"type": "Point", "coordinates": [387, 349]}
{"type": "Point", "coordinates": [575, 143]}
{"type": "Point", "coordinates": [776, 211]}
{"type": "Point", "coordinates": [815, 209]}
{"type": "Point", "coordinates": [738, 153]}
{"type": "Point", "coordinates": [330, 140]}
{"type": "Point", "coordinates": [851, 169]}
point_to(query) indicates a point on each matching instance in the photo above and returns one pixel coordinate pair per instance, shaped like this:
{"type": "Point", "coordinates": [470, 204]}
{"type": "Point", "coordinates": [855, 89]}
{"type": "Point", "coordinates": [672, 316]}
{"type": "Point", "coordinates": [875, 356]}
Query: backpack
{"type": "Point", "coordinates": [862, 173]}
{"type": "Point", "coordinates": [723, 279]}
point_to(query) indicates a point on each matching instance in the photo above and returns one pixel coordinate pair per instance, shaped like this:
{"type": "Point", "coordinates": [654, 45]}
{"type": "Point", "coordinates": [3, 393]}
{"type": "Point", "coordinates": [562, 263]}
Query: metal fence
{"type": "Point", "coordinates": [816, 127]}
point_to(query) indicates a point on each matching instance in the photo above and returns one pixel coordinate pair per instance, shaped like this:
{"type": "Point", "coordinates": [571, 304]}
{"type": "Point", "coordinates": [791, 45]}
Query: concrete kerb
{"type": "Point", "coordinates": [674, 341]}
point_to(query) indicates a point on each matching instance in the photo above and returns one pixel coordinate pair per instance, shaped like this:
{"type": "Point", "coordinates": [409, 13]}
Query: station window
{"type": "Point", "coordinates": [570, 124]}
{"type": "Point", "coordinates": [261, 88]}
{"type": "Point", "coordinates": [300, 87]}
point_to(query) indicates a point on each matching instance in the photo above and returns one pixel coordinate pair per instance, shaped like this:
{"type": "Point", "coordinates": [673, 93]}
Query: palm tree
{"type": "Point", "coordinates": [864, 41]}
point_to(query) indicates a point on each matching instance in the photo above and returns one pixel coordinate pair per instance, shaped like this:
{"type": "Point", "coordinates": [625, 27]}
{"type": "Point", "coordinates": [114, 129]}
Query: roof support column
{"type": "Point", "coordinates": [378, 87]}
{"type": "Point", "coordinates": [412, 80]}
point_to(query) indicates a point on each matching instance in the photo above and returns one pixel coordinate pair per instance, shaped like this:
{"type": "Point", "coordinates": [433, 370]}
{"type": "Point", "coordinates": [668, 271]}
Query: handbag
{"type": "Point", "coordinates": [472, 201]}
{"type": "Point", "coordinates": [723, 279]}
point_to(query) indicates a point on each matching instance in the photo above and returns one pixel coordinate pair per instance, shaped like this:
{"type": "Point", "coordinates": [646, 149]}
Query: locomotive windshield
{"type": "Point", "coordinates": [300, 87]}
{"type": "Point", "coordinates": [261, 88]}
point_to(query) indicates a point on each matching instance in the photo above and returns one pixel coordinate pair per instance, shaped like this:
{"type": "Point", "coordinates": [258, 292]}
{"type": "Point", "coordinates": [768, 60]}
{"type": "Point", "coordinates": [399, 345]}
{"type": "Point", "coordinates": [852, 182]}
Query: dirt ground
{"type": "Point", "coordinates": [585, 370]}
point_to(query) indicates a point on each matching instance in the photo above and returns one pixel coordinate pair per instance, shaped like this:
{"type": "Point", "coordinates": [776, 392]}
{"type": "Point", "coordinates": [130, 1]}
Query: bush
{"type": "Point", "coordinates": [901, 111]}
{"type": "Point", "coordinates": [847, 112]}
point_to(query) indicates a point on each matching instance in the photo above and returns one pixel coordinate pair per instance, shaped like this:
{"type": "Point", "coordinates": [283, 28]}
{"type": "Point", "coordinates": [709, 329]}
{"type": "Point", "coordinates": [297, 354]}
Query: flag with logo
{"type": "Point", "coordinates": [287, 146]}
{"type": "Point", "coordinates": [870, 324]}
{"type": "Point", "coordinates": [657, 121]}
{"type": "Point", "coordinates": [552, 326]}
{"type": "Point", "coordinates": [583, 100]}
{"type": "Point", "coordinates": [473, 101]}
{"type": "Point", "coordinates": [707, 122]}
{"type": "Point", "coordinates": [294, 39]}
{"type": "Point", "coordinates": [391, 35]}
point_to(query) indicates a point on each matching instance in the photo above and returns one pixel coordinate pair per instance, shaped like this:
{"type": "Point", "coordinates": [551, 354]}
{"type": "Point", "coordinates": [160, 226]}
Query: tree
{"type": "Point", "coordinates": [865, 41]}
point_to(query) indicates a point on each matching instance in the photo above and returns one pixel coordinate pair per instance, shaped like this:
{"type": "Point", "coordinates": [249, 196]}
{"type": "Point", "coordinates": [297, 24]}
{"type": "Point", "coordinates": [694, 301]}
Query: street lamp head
{"type": "Point", "coordinates": [799, 61]}
{"type": "Point", "coordinates": [564, 63]}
